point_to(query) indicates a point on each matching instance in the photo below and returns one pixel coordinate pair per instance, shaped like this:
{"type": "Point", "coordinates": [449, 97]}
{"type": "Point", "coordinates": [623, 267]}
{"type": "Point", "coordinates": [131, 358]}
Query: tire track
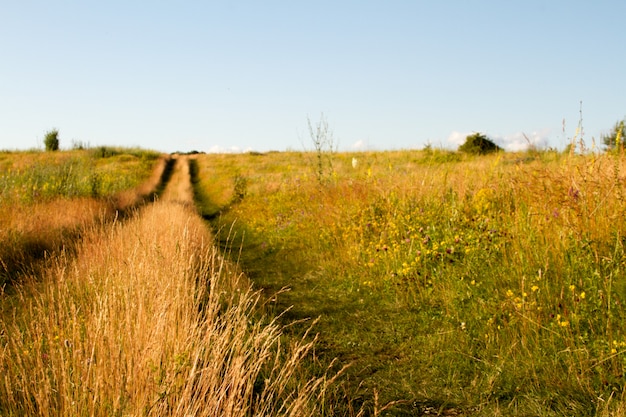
{"type": "Point", "coordinates": [178, 188]}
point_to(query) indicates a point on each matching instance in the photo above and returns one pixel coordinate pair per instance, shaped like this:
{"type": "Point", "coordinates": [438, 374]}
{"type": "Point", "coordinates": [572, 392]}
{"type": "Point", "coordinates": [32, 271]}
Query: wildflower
{"type": "Point", "coordinates": [582, 295]}
{"type": "Point", "coordinates": [509, 293]}
{"type": "Point", "coordinates": [355, 162]}
{"type": "Point", "coordinates": [534, 288]}
{"type": "Point", "coordinates": [572, 288]}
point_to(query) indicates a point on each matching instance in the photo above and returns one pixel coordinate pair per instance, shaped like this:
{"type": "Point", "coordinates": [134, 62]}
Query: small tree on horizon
{"type": "Point", "coordinates": [479, 144]}
{"type": "Point", "coordinates": [51, 140]}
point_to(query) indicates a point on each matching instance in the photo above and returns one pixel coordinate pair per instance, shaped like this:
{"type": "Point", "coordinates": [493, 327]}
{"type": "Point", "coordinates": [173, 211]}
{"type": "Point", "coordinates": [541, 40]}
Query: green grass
{"type": "Point", "coordinates": [47, 199]}
{"type": "Point", "coordinates": [28, 177]}
{"type": "Point", "coordinates": [485, 285]}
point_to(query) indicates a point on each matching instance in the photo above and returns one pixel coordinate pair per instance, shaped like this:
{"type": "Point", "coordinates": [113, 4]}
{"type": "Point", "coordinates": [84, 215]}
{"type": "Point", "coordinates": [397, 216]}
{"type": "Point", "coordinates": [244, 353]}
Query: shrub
{"type": "Point", "coordinates": [479, 144]}
{"type": "Point", "coordinates": [51, 140]}
{"type": "Point", "coordinates": [615, 138]}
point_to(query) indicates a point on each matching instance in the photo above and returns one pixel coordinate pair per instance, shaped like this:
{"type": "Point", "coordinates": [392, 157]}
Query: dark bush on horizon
{"type": "Point", "coordinates": [479, 144]}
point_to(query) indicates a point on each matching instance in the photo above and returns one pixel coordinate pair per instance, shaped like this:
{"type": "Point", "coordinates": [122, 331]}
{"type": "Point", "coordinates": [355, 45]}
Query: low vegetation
{"type": "Point", "coordinates": [33, 177]}
{"type": "Point", "coordinates": [145, 317]}
{"type": "Point", "coordinates": [48, 198]}
{"type": "Point", "coordinates": [406, 283]}
{"type": "Point", "coordinates": [477, 285]}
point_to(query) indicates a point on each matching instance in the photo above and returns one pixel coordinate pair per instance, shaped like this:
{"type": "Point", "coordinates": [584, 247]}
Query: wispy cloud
{"type": "Point", "coordinates": [521, 141]}
{"type": "Point", "coordinates": [358, 145]}
{"type": "Point", "coordinates": [457, 138]}
{"type": "Point", "coordinates": [229, 149]}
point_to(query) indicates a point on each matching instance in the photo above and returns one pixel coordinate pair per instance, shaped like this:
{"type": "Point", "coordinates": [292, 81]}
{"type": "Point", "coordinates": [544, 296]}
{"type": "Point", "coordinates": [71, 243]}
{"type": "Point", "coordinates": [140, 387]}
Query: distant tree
{"type": "Point", "coordinates": [615, 138]}
{"type": "Point", "coordinates": [479, 144]}
{"type": "Point", "coordinates": [51, 140]}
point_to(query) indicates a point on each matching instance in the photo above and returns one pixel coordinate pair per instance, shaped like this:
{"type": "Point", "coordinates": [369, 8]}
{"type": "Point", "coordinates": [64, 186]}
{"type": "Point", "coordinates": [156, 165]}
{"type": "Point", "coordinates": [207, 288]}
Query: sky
{"type": "Point", "coordinates": [229, 76]}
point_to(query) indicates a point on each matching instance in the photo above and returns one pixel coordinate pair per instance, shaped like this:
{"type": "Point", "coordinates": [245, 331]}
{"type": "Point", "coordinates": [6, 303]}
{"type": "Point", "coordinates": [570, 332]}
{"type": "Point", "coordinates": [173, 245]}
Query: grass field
{"type": "Point", "coordinates": [474, 285]}
{"type": "Point", "coordinates": [46, 198]}
{"type": "Point", "coordinates": [143, 316]}
{"type": "Point", "coordinates": [388, 283]}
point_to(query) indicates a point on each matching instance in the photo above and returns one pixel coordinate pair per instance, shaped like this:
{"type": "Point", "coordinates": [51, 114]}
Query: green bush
{"type": "Point", "coordinates": [479, 144]}
{"type": "Point", "coordinates": [615, 138]}
{"type": "Point", "coordinates": [51, 140]}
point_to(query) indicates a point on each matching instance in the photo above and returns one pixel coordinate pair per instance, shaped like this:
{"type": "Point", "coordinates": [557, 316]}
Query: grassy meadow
{"type": "Point", "coordinates": [143, 316]}
{"type": "Point", "coordinates": [488, 285]}
{"type": "Point", "coordinates": [395, 283]}
{"type": "Point", "coordinates": [46, 198]}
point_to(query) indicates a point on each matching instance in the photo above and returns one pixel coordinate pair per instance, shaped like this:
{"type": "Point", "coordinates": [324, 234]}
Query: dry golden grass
{"type": "Point", "coordinates": [180, 190]}
{"type": "Point", "coordinates": [29, 231]}
{"type": "Point", "coordinates": [147, 319]}
{"type": "Point", "coordinates": [130, 198]}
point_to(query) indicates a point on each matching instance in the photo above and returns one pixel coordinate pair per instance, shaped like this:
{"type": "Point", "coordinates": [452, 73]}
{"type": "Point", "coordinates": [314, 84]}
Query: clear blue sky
{"type": "Point", "coordinates": [221, 75]}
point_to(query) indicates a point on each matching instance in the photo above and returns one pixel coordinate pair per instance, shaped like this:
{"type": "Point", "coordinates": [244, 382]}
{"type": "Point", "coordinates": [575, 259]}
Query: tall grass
{"type": "Point", "coordinates": [43, 205]}
{"type": "Point", "coordinates": [35, 177]}
{"type": "Point", "coordinates": [492, 285]}
{"type": "Point", "coordinates": [148, 319]}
